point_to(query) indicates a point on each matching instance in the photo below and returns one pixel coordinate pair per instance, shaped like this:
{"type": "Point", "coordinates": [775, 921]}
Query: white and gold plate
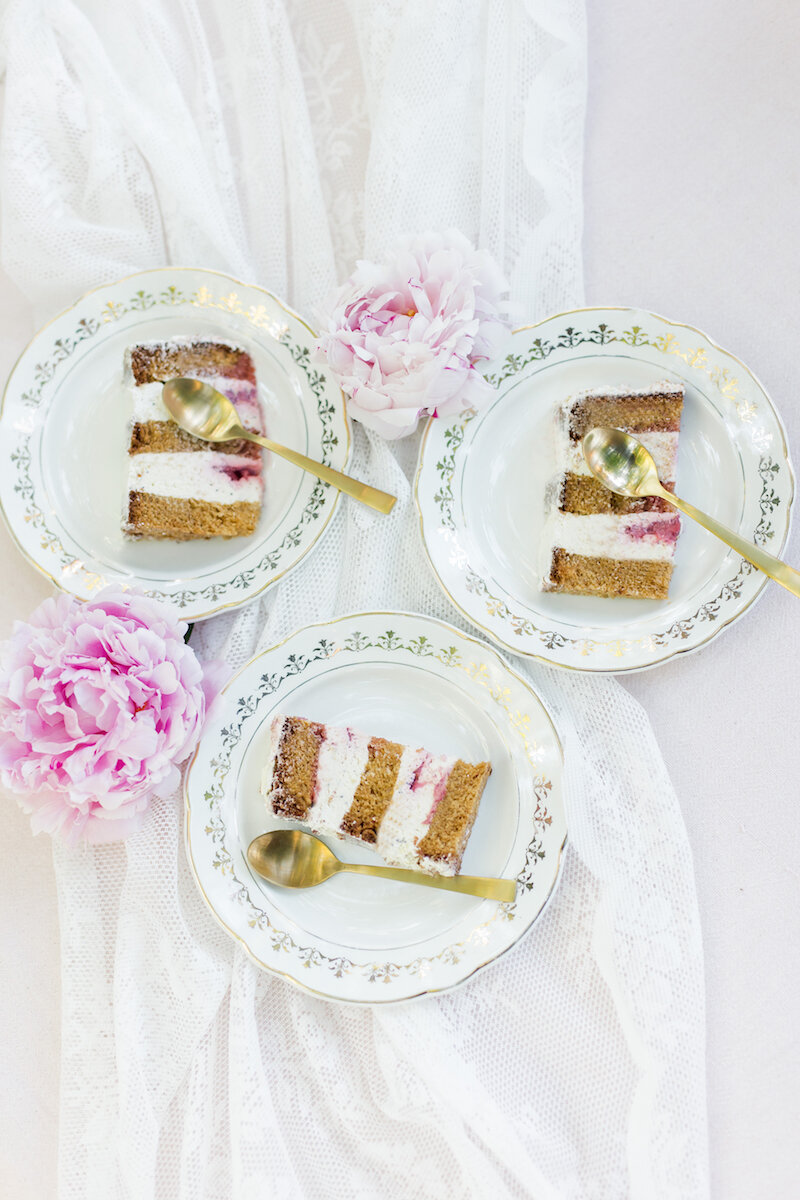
{"type": "Point", "coordinates": [417, 681]}
{"type": "Point", "coordinates": [64, 437]}
{"type": "Point", "coordinates": [482, 476]}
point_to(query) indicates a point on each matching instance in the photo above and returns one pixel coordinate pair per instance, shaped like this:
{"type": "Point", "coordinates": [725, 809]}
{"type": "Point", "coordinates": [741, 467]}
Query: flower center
{"type": "Point", "coordinates": [411, 312]}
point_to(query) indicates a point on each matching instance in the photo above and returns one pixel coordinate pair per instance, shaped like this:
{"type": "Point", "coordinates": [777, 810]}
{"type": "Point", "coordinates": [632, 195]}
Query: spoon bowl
{"type": "Point", "coordinates": [292, 858]}
{"type": "Point", "coordinates": [626, 467]}
{"type": "Point", "coordinates": [621, 462]}
{"type": "Point", "coordinates": [208, 414]}
{"type": "Point", "coordinates": [200, 409]}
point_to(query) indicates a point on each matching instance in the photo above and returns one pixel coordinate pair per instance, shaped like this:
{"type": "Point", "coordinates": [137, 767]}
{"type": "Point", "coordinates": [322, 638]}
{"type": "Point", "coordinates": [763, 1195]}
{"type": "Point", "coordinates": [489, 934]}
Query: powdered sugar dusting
{"type": "Point", "coordinates": [663, 387]}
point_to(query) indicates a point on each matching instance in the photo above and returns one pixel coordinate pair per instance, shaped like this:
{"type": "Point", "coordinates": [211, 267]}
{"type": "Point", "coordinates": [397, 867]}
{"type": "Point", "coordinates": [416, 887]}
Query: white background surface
{"type": "Point", "coordinates": [691, 207]}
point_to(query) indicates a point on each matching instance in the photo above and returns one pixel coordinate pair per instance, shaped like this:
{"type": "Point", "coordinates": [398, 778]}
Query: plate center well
{"type": "Point", "coordinates": [84, 454]}
{"type": "Point", "coordinates": [414, 706]}
{"type": "Point", "coordinates": [501, 492]}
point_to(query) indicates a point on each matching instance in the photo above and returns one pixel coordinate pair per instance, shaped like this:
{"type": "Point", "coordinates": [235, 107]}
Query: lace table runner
{"type": "Point", "coordinates": [280, 142]}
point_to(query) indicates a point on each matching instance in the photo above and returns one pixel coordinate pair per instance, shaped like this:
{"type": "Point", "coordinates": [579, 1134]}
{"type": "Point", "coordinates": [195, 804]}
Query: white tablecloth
{"type": "Point", "coordinates": [690, 210]}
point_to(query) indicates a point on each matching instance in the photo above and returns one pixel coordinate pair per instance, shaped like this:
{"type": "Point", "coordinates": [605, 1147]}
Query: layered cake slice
{"type": "Point", "coordinates": [415, 808]}
{"type": "Point", "coordinates": [180, 487]}
{"type": "Point", "coordinates": [594, 542]}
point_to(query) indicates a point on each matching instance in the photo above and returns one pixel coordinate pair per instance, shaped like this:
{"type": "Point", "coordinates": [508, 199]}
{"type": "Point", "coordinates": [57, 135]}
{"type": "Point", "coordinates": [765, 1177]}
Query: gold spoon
{"type": "Point", "coordinates": [295, 859]}
{"type": "Point", "coordinates": [203, 411]}
{"type": "Point", "coordinates": [624, 465]}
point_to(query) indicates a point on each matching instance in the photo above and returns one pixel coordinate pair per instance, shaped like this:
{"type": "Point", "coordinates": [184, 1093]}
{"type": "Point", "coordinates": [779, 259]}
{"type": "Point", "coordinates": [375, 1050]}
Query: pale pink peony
{"type": "Point", "coordinates": [99, 702]}
{"type": "Point", "coordinates": [409, 337]}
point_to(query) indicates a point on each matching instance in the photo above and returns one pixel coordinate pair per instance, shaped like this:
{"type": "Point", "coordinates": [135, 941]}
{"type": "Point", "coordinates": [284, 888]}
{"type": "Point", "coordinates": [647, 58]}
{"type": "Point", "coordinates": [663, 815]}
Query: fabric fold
{"type": "Point", "coordinates": [280, 141]}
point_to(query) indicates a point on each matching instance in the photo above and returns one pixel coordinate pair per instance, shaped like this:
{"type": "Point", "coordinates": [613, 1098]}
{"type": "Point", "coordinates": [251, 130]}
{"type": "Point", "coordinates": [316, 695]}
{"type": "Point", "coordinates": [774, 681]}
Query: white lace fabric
{"type": "Point", "coordinates": [281, 141]}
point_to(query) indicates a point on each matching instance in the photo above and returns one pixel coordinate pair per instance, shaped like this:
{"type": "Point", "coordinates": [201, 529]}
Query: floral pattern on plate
{"type": "Point", "coordinates": [422, 682]}
{"type": "Point", "coordinates": [63, 444]}
{"type": "Point", "coordinates": [480, 492]}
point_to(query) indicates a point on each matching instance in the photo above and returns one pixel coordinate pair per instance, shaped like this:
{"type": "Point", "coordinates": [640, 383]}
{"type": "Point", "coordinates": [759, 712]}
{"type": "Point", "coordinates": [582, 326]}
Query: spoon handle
{"type": "Point", "coordinates": [783, 574]}
{"type": "Point", "coordinates": [472, 885]}
{"type": "Point", "coordinates": [382, 501]}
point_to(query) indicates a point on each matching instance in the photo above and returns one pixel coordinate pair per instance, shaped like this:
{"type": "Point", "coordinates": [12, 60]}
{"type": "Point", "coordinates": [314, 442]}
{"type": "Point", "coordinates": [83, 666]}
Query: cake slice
{"type": "Point", "coordinates": [595, 543]}
{"type": "Point", "coordinates": [415, 808]}
{"type": "Point", "coordinates": [180, 487]}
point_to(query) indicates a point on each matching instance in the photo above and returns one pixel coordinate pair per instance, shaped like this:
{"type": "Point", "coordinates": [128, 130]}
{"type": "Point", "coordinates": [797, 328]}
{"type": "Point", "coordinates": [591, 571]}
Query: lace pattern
{"type": "Point", "coordinates": [280, 141]}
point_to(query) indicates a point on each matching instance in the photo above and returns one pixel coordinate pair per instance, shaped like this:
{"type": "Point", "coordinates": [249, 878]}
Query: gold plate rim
{"type": "Point", "coordinates": [672, 653]}
{"type": "Point", "coordinates": [559, 850]}
{"type": "Point", "coordinates": [147, 271]}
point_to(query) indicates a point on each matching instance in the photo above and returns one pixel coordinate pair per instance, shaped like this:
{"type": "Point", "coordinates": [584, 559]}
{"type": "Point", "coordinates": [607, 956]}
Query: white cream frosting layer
{"type": "Point", "coordinates": [149, 406]}
{"type": "Point", "coordinates": [342, 759]}
{"type": "Point", "coordinates": [662, 446]}
{"type": "Point", "coordinates": [147, 403]}
{"type": "Point", "coordinates": [405, 821]}
{"type": "Point", "coordinates": [196, 475]}
{"type": "Point", "coordinates": [603, 535]}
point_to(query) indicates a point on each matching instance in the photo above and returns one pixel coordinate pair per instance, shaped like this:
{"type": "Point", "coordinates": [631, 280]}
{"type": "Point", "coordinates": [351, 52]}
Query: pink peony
{"type": "Point", "coordinates": [98, 703]}
{"type": "Point", "coordinates": [408, 338]}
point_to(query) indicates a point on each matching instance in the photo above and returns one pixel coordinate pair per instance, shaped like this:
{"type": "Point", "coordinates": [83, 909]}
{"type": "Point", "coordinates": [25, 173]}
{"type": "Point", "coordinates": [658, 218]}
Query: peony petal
{"type": "Point", "coordinates": [405, 335]}
{"type": "Point", "coordinates": [390, 423]}
{"type": "Point", "coordinates": [98, 703]}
